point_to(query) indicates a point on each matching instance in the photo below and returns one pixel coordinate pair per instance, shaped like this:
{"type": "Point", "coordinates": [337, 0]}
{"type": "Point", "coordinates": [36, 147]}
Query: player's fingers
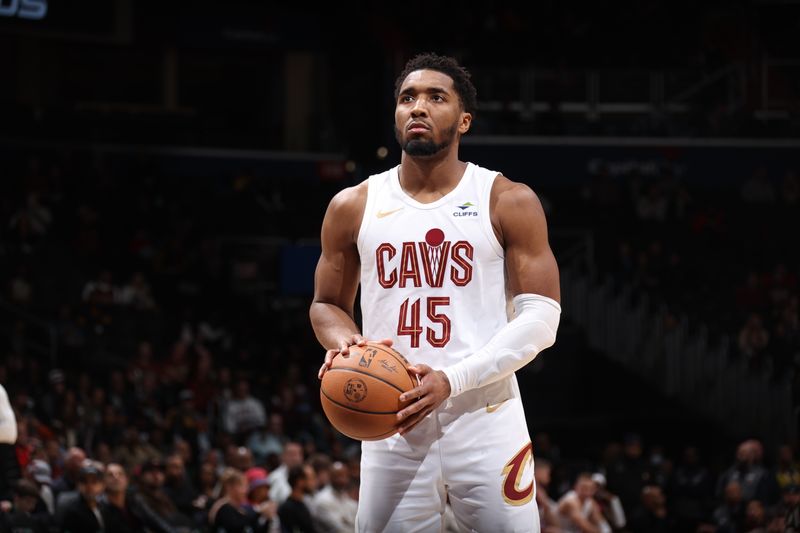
{"type": "Point", "coordinates": [411, 409]}
{"type": "Point", "coordinates": [357, 340]}
{"type": "Point", "coordinates": [329, 355]}
{"type": "Point", "coordinates": [409, 424]}
{"type": "Point", "coordinates": [420, 370]}
{"type": "Point", "coordinates": [386, 342]}
{"type": "Point", "coordinates": [344, 348]}
{"type": "Point", "coordinates": [414, 394]}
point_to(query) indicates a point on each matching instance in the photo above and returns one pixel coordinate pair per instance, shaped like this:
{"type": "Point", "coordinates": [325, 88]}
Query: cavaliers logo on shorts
{"type": "Point", "coordinates": [355, 390]}
{"type": "Point", "coordinates": [512, 477]}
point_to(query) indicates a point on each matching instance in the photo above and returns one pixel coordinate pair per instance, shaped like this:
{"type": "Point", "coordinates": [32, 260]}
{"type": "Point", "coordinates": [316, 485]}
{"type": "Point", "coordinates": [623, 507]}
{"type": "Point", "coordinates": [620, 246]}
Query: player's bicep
{"type": "Point", "coordinates": [530, 264]}
{"type": "Point", "coordinates": [336, 275]}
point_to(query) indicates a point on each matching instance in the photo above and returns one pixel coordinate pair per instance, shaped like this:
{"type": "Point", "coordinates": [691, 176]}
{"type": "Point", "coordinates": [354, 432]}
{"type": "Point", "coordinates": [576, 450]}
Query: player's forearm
{"type": "Point", "coordinates": [331, 324]}
{"type": "Point", "coordinates": [511, 348]}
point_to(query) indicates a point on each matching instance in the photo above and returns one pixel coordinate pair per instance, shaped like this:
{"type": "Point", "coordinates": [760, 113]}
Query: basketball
{"type": "Point", "coordinates": [360, 393]}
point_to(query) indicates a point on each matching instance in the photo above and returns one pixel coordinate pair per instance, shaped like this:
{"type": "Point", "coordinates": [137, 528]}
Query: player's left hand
{"type": "Point", "coordinates": [434, 388]}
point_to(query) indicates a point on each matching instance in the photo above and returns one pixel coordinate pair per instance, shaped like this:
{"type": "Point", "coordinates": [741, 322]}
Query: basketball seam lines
{"type": "Point", "coordinates": [348, 369]}
{"type": "Point", "coordinates": [358, 410]}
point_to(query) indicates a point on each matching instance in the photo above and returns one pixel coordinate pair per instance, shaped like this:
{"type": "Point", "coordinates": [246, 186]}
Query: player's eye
{"type": "Point", "coordinates": [437, 98]}
{"type": "Point", "coordinates": [406, 98]}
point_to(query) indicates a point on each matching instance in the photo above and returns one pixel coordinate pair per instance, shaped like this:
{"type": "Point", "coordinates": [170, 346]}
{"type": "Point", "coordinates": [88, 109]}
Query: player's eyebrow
{"type": "Point", "coordinates": [411, 89]}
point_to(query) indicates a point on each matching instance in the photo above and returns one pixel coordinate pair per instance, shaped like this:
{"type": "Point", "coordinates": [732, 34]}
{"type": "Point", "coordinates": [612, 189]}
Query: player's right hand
{"type": "Point", "coordinates": [344, 349]}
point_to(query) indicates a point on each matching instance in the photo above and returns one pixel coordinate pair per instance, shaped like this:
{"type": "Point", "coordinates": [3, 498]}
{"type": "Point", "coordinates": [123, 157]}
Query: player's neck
{"type": "Point", "coordinates": [430, 176]}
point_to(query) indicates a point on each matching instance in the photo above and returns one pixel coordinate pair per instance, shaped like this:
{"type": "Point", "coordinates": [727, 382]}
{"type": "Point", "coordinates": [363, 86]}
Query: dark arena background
{"type": "Point", "coordinates": [164, 171]}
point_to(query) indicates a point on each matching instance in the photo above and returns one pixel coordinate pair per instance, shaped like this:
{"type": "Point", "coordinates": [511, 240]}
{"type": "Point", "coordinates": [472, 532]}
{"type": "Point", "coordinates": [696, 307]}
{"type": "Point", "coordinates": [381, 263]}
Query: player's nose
{"type": "Point", "coordinates": [420, 108]}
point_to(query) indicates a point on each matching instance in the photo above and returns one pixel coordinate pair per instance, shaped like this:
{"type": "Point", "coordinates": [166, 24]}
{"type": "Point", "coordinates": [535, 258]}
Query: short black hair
{"type": "Point", "coordinates": [296, 474]}
{"type": "Point", "coordinates": [462, 81]}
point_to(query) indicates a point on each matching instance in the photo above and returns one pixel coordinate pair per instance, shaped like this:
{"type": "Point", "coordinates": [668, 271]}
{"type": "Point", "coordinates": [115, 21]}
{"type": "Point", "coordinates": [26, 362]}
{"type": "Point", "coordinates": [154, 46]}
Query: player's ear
{"type": "Point", "coordinates": [466, 122]}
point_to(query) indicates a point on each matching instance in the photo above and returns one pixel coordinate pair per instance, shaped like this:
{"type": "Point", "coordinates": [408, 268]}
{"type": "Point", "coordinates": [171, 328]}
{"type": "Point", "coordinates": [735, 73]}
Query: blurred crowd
{"type": "Point", "coordinates": [182, 396]}
{"type": "Point", "coordinates": [664, 238]}
{"type": "Point", "coordinates": [234, 464]}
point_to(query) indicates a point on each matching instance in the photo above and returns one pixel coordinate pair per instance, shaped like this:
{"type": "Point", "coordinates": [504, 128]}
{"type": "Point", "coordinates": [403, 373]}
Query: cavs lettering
{"type": "Point", "coordinates": [429, 263]}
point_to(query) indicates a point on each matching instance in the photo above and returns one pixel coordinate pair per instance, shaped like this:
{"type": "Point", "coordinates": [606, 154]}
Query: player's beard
{"type": "Point", "coordinates": [426, 147]}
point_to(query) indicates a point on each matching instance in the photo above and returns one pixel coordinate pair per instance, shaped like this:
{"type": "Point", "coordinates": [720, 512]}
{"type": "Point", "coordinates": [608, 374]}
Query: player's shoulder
{"type": "Point", "coordinates": [507, 193]}
{"type": "Point", "coordinates": [350, 199]}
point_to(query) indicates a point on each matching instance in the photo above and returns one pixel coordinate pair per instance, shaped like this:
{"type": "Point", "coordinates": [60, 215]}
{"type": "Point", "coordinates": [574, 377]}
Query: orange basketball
{"type": "Point", "coordinates": [360, 393]}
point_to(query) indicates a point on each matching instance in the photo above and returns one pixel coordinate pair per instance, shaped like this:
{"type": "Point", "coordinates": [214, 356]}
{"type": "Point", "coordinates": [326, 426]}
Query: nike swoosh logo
{"type": "Point", "coordinates": [495, 407]}
{"type": "Point", "coordinates": [382, 214]}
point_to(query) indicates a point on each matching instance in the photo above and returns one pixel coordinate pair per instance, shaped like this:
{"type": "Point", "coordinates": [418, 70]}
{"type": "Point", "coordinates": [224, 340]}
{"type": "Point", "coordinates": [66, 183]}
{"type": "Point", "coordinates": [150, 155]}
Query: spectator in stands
{"type": "Point", "coordinates": [787, 470]}
{"type": "Point", "coordinates": [267, 440]}
{"type": "Point", "coordinates": [202, 379]}
{"type": "Point", "coordinates": [120, 396]}
{"type": "Point", "coordinates": [279, 478]}
{"type": "Point", "coordinates": [142, 368]}
{"type": "Point", "coordinates": [789, 507]}
{"type": "Point", "coordinates": [691, 491]}
{"type": "Point", "coordinates": [244, 412]}
{"type": "Point", "coordinates": [755, 519]}
{"type": "Point", "coordinates": [257, 485]}
{"type": "Point", "coordinates": [578, 510]}
{"type": "Point", "coordinates": [258, 494]}
{"type": "Point", "coordinates": [610, 504]}
{"type": "Point", "coordinates": [232, 512]}
{"type": "Point", "coordinates": [84, 515]}
{"type": "Point", "coordinates": [68, 482]}
{"type": "Point", "coordinates": [22, 516]}
{"type": "Point", "coordinates": [755, 480]}
{"type": "Point", "coordinates": [184, 422]}
{"type": "Point", "coordinates": [239, 457]}
{"type": "Point", "coordinates": [322, 465]}
{"type": "Point", "coordinates": [100, 292]}
{"type": "Point", "coordinates": [208, 491]}
{"type": "Point", "coordinates": [548, 508]}
{"type": "Point", "coordinates": [137, 294]}
{"type": "Point", "coordinates": [653, 516]}
{"type": "Point", "coordinates": [294, 513]}
{"type": "Point", "coordinates": [125, 511]}
{"type": "Point", "coordinates": [134, 450]}
{"type": "Point", "coordinates": [151, 488]}
{"type": "Point", "coordinates": [729, 516]}
{"type": "Point", "coordinates": [177, 484]}
{"type": "Point", "coordinates": [39, 473]}
{"type": "Point", "coordinates": [659, 466]}
{"type": "Point", "coordinates": [334, 508]}
{"type": "Point", "coordinates": [628, 474]}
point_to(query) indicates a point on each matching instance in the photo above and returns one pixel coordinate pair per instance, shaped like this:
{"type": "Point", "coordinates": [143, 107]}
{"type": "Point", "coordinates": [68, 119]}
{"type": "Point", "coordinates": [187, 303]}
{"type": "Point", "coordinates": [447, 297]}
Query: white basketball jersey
{"type": "Point", "coordinates": [432, 275]}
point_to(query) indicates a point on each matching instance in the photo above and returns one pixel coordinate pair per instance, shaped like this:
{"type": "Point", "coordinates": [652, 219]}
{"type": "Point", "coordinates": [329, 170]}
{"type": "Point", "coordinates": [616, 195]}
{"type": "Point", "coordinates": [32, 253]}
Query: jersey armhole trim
{"type": "Point", "coordinates": [486, 217]}
{"type": "Point", "coordinates": [372, 186]}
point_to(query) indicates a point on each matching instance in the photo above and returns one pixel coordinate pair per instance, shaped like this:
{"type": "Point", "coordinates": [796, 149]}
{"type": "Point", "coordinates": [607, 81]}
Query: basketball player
{"type": "Point", "coordinates": [579, 511]}
{"type": "Point", "coordinates": [436, 243]}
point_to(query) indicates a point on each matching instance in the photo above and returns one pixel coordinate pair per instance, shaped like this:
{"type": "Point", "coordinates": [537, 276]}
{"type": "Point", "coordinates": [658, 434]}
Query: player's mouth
{"type": "Point", "coordinates": [418, 127]}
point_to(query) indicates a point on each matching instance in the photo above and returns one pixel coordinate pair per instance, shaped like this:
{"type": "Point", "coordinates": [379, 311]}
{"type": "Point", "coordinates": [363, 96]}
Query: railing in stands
{"type": "Point", "coordinates": [681, 361]}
